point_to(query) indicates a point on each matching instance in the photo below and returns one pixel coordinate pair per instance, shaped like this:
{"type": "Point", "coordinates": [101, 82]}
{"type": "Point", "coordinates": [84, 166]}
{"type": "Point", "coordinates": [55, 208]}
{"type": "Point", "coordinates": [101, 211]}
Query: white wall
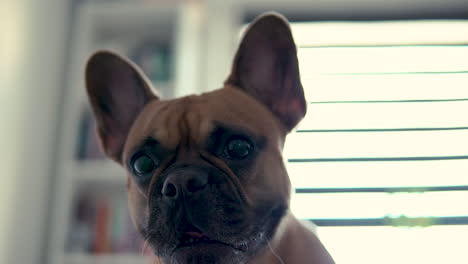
{"type": "Point", "coordinates": [31, 67]}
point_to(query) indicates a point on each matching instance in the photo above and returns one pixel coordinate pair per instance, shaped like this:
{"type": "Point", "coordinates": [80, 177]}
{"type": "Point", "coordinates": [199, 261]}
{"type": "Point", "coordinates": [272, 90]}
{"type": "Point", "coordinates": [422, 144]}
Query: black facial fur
{"type": "Point", "coordinates": [218, 211]}
{"type": "Point", "coordinates": [220, 137]}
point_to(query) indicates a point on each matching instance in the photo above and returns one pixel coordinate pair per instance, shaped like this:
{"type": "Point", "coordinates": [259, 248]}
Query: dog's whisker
{"type": "Point", "coordinates": [157, 260]}
{"type": "Point", "coordinates": [144, 246]}
{"type": "Point", "coordinates": [146, 242]}
{"type": "Point", "coordinates": [273, 251]}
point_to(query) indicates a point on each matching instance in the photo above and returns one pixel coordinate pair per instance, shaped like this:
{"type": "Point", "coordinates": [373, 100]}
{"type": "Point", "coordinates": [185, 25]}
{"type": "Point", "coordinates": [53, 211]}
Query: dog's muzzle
{"type": "Point", "coordinates": [182, 183]}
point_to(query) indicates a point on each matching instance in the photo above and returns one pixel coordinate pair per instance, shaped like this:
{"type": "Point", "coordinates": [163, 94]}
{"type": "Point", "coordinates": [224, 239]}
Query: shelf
{"type": "Point", "coordinates": [138, 21]}
{"type": "Point", "coordinates": [99, 172]}
{"type": "Point", "coordinates": [82, 258]}
{"type": "Point", "coordinates": [125, 27]}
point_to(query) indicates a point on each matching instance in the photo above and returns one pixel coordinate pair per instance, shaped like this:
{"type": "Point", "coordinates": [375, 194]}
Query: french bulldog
{"type": "Point", "coordinates": [207, 181]}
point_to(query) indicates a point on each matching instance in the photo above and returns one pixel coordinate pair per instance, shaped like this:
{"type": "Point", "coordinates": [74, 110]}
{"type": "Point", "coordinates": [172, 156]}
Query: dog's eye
{"type": "Point", "coordinates": [238, 148]}
{"type": "Point", "coordinates": [143, 164]}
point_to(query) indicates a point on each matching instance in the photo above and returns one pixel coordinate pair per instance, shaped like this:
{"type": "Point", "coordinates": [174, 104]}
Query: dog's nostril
{"type": "Point", "coordinates": [184, 183]}
{"type": "Point", "coordinates": [169, 190]}
{"type": "Point", "coordinates": [195, 184]}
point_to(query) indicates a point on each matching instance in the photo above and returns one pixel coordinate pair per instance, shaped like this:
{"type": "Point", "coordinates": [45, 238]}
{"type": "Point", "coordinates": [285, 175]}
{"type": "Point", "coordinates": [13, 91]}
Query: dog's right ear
{"type": "Point", "coordinates": [118, 91]}
{"type": "Point", "coordinates": [266, 67]}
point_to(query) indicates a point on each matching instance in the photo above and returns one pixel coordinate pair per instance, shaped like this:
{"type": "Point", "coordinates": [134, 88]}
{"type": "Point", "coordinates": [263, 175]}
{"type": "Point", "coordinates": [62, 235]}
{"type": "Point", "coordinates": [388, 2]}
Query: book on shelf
{"type": "Point", "coordinates": [102, 225]}
{"type": "Point", "coordinates": [154, 57]}
{"type": "Point", "coordinates": [88, 142]}
{"type": "Point", "coordinates": [102, 240]}
{"type": "Point", "coordinates": [156, 61]}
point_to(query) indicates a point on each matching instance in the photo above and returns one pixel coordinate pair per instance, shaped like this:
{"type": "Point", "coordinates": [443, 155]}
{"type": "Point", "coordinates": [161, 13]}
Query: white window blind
{"type": "Point", "coordinates": [380, 162]}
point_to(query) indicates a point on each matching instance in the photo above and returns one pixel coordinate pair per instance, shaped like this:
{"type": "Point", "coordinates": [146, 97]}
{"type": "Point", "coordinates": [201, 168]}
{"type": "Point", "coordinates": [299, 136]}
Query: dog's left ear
{"type": "Point", "coordinates": [118, 92]}
{"type": "Point", "coordinates": [266, 67]}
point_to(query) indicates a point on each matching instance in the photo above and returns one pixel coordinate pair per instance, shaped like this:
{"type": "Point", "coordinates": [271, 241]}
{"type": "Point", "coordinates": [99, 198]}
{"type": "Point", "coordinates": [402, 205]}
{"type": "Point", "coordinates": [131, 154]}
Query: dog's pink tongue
{"type": "Point", "coordinates": [195, 234]}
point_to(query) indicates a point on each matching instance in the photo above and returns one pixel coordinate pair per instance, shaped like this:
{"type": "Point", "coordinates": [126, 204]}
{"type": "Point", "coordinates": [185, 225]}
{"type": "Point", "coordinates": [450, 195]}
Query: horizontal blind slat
{"type": "Point", "coordinates": [382, 60]}
{"type": "Point", "coordinates": [319, 88]}
{"type": "Point", "coordinates": [405, 129]}
{"type": "Point", "coordinates": [378, 174]}
{"type": "Point", "coordinates": [378, 159]}
{"type": "Point", "coordinates": [385, 115]}
{"type": "Point", "coordinates": [381, 32]}
{"type": "Point", "coordinates": [406, 189]}
{"type": "Point", "coordinates": [376, 144]}
{"type": "Point", "coordinates": [398, 221]}
{"type": "Point", "coordinates": [373, 205]}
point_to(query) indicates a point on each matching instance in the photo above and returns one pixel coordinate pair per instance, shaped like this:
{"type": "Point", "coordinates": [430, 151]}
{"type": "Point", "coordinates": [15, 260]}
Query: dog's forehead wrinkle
{"type": "Point", "coordinates": [163, 123]}
{"type": "Point", "coordinates": [180, 126]}
{"type": "Point", "coordinates": [192, 123]}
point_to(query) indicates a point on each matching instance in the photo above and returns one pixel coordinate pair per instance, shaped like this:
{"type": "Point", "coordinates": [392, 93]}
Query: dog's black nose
{"type": "Point", "coordinates": [184, 182]}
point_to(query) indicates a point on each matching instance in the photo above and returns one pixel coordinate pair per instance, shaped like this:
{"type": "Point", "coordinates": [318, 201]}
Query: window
{"type": "Point", "coordinates": [385, 171]}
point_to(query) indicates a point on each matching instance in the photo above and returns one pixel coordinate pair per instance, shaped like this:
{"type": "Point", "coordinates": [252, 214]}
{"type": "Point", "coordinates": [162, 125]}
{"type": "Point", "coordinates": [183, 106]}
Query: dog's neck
{"type": "Point", "coordinates": [292, 234]}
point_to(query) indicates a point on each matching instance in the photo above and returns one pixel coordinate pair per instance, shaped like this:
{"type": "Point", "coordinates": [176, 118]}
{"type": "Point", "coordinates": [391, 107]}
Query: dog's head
{"type": "Point", "coordinates": [206, 178]}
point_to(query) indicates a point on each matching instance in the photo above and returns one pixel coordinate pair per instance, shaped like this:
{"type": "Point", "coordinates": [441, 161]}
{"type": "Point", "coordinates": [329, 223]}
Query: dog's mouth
{"type": "Point", "coordinates": [194, 238]}
{"type": "Point", "coordinates": [197, 248]}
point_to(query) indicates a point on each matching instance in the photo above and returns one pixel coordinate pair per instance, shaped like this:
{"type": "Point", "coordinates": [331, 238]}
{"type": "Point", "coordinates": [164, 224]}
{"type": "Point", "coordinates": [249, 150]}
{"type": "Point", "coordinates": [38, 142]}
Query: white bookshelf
{"type": "Point", "coordinates": [195, 31]}
{"type": "Point", "coordinates": [118, 26]}
{"type": "Point", "coordinates": [98, 171]}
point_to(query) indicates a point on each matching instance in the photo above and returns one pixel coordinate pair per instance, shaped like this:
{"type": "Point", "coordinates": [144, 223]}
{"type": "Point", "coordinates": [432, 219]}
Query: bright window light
{"type": "Point", "coordinates": [380, 162]}
{"type": "Point", "coordinates": [381, 33]}
{"type": "Point", "coordinates": [389, 245]}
